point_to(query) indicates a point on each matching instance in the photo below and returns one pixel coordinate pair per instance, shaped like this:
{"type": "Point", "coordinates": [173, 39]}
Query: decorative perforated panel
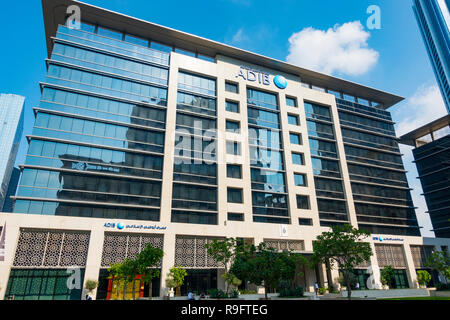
{"type": "Point", "coordinates": [51, 248]}
{"type": "Point", "coordinates": [390, 254]}
{"type": "Point", "coordinates": [420, 255]}
{"type": "Point", "coordinates": [190, 252]}
{"type": "Point", "coordinates": [280, 245]}
{"type": "Point", "coordinates": [117, 246]}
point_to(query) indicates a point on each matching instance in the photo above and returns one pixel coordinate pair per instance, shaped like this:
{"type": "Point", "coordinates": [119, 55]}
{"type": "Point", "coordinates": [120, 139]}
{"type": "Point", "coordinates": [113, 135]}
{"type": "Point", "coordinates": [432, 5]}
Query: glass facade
{"type": "Point", "coordinates": [269, 192]}
{"type": "Point", "coordinates": [433, 168]}
{"type": "Point", "coordinates": [433, 18]}
{"type": "Point", "coordinates": [194, 194]}
{"type": "Point", "coordinates": [331, 199]}
{"type": "Point", "coordinates": [41, 284]}
{"type": "Point", "coordinates": [11, 127]}
{"type": "Point", "coordinates": [380, 190]}
{"type": "Point", "coordinates": [97, 145]}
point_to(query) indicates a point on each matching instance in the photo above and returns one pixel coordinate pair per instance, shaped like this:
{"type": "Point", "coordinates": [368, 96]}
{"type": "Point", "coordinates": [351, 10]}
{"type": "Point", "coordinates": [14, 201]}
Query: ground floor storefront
{"type": "Point", "coordinates": [49, 257]}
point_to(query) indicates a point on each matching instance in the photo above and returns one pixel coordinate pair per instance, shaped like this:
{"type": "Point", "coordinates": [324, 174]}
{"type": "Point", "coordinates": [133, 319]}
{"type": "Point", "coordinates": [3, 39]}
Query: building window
{"type": "Point", "coordinates": [234, 147]}
{"type": "Point", "coordinates": [293, 119]}
{"type": "Point", "coordinates": [295, 138]}
{"type": "Point", "coordinates": [303, 202]}
{"type": "Point", "coordinates": [291, 102]}
{"type": "Point", "coordinates": [231, 87]}
{"type": "Point", "coordinates": [349, 97]}
{"type": "Point", "coordinates": [298, 158]}
{"type": "Point", "coordinates": [300, 179]}
{"type": "Point", "coordinates": [232, 106]}
{"type": "Point", "coordinates": [109, 33]}
{"type": "Point", "coordinates": [335, 93]}
{"type": "Point", "coordinates": [87, 27]}
{"type": "Point", "coordinates": [160, 47]}
{"type": "Point", "coordinates": [136, 40]}
{"type": "Point", "coordinates": [185, 52]}
{"type": "Point", "coordinates": [305, 222]}
{"type": "Point", "coordinates": [233, 126]}
{"type": "Point", "coordinates": [235, 216]}
{"type": "Point", "coordinates": [206, 58]}
{"type": "Point", "coordinates": [234, 171]}
{"type": "Point", "coordinates": [234, 195]}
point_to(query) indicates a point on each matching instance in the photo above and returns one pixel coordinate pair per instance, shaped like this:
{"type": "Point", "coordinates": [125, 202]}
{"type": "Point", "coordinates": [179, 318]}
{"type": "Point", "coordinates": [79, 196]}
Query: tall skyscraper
{"type": "Point", "coordinates": [433, 18]}
{"type": "Point", "coordinates": [11, 127]}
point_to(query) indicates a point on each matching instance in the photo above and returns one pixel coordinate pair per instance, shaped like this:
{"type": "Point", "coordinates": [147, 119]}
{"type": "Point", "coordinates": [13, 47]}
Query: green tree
{"type": "Point", "coordinates": [387, 275]}
{"type": "Point", "coordinates": [115, 274]}
{"type": "Point", "coordinates": [176, 277]}
{"type": "Point", "coordinates": [223, 252]}
{"type": "Point", "coordinates": [129, 271]}
{"type": "Point", "coordinates": [147, 260]}
{"type": "Point", "coordinates": [344, 246]}
{"type": "Point", "coordinates": [263, 265]}
{"type": "Point", "coordinates": [423, 277]}
{"type": "Point", "coordinates": [439, 261]}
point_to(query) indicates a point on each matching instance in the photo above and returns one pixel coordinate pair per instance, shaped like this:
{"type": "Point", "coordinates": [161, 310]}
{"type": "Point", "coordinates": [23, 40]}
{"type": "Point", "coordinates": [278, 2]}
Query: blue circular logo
{"type": "Point", "coordinates": [280, 82]}
{"type": "Point", "coordinates": [120, 226]}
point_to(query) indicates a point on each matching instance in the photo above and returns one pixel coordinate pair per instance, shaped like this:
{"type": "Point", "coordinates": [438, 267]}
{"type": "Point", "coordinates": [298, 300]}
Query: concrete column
{"type": "Point", "coordinates": [410, 268]}
{"type": "Point", "coordinates": [168, 260]}
{"type": "Point", "coordinates": [374, 279]}
{"type": "Point", "coordinates": [94, 259]}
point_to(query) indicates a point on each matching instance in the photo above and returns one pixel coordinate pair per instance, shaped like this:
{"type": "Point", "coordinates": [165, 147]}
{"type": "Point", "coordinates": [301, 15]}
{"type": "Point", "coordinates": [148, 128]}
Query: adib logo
{"type": "Point", "coordinates": [280, 82]}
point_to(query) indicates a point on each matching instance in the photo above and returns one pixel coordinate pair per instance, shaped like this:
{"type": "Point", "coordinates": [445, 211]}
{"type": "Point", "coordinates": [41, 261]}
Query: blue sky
{"type": "Point", "coordinates": [265, 27]}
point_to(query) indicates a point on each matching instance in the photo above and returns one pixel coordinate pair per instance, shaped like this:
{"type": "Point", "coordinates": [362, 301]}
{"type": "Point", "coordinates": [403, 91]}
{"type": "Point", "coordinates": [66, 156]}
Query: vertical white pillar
{"type": "Point", "coordinates": [94, 259]}
{"type": "Point", "coordinates": [168, 260]}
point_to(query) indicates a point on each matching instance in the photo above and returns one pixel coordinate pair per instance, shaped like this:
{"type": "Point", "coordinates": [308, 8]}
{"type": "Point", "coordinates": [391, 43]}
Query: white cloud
{"type": "Point", "coordinates": [423, 107]}
{"type": "Point", "coordinates": [342, 49]}
{"type": "Point", "coordinates": [238, 36]}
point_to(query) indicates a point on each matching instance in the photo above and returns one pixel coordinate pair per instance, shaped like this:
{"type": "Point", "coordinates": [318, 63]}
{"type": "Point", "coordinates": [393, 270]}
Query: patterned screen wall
{"type": "Point", "coordinates": [280, 245]}
{"type": "Point", "coordinates": [118, 246]}
{"type": "Point", "coordinates": [420, 255]}
{"type": "Point", "coordinates": [390, 255]}
{"type": "Point", "coordinates": [190, 252]}
{"type": "Point", "coordinates": [51, 248]}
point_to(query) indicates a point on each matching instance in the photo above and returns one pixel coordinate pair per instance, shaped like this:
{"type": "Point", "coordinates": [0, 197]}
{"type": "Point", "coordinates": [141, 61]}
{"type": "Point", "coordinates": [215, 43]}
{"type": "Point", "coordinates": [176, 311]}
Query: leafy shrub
{"type": "Point", "coordinates": [234, 294]}
{"type": "Point", "coordinates": [246, 291]}
{"type": "Point", "coordinates": [322, 290]}
{"type": "Point", "coordinates": [289, 292]}
{"type": "Point", "coordinates": [442, 286]}
{"type": "Point", "coordinates": [423, 277]}
{"type": "Point", "coordinates": [217, 294]}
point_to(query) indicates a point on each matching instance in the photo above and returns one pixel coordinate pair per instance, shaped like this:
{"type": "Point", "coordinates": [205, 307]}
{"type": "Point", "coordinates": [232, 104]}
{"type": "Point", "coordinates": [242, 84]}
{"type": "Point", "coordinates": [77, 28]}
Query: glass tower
{"type": "Point", "coordinates": [433, 18]}
{"type": "Point", "coordinates": [11, 127]}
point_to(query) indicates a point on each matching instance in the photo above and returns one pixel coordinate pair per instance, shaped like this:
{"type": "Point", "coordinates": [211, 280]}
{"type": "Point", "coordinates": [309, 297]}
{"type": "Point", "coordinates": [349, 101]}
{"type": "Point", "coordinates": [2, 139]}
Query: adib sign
{"type": "Point", "coordinates": [261, 77]}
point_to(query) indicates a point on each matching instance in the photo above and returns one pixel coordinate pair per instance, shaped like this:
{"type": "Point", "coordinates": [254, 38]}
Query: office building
{"type": "Point", "coordinates": [11, 127]}
{"type": "Point", "coordinates": [433, 18]}
{"type": "Point", "coordinates": [431, 152]}
{"type": "Point", "coordinates": [145, 134]}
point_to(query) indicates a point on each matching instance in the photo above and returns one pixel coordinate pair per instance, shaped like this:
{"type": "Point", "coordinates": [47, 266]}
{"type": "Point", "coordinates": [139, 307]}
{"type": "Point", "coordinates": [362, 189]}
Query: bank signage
{"type": "Point", "coordinates": [121, 226]}
{"type": "Point", "coordinates": [386, 239]}
{"type": "Point", "coordinates": [261, 77]}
